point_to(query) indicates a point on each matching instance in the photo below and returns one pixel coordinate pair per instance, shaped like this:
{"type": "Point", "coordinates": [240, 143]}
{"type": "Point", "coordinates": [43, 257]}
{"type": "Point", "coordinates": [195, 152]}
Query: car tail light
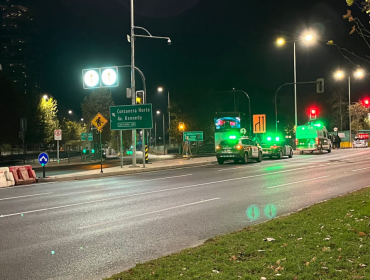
{"type": "Point", "coordinates": [317, 141]}
{"type": "Point", "coordinates": [273, 147]}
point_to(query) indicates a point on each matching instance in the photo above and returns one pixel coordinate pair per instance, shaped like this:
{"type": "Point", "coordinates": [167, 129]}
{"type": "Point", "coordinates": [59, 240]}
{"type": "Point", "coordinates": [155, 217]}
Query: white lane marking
{"type": "Point", "coordinates": [151, 192]}
{"type": "Point", "coordinates": [153, 212]}
{"type": "Point", "coordinates": [297, 182]}
{"type": "Point", "coordinates": [360, 169]}
{"type": "Point", "coordinates": [15, 197]}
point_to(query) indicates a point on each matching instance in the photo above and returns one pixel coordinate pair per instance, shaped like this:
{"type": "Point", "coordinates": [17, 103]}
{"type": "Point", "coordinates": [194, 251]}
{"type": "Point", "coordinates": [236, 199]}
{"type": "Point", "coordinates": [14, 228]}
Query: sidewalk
{"type": "Point", "coordinates": [125, 170]}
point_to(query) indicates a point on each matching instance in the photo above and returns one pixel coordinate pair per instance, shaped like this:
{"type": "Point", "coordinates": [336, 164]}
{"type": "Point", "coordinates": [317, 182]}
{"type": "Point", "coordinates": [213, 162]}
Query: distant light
{"type": "Point", "coordinates": [280, 41]}
{"type": "Point", "coordinates": [158, 112]}
{"type": "Point", "coordinates": [232, 137]}
{"type": "Point", "coordinates": [308, 37]}
{"type": "Point", "coordinates": [339, 74]}
{"type": "Point", "coordinates": [366, 101]}
{"type": "Point", "coordinates": [160, 89]}
{"type": "Point", "coordinates": [359, 73]}
{"type": "Point", "coordinates": [45, 97]}
{"type": "Point", "coordinates": [70, 112]}
{"type": "Point", "coordinates": [277, 139]}
{"type": "Point", "coordinates": [269, 138]}
{"type": "Point", "coordinates": [313, 111]}
{"type": "Point", "coordinates": [82, 119]}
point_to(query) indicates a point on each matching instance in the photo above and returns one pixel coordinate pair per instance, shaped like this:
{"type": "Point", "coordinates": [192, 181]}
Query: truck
{"type": "Point", "coordinates": [312, 137]}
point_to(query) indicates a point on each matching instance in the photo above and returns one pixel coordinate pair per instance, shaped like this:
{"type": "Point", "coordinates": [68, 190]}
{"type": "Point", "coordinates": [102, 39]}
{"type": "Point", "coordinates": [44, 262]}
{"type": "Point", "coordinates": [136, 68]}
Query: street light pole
{"type": "Point", "coordinates": [133, 101]}
{"type": "Point", "coordinates": [155, 134]}
{"type": "Point", "coordinates": [295, 85]}
{"type": "Point", "coordinates": [349, 110]}
{"type": "Point", "coordinates": [164, 138]}
{"type": "Point", "coordinates": [169, 121]}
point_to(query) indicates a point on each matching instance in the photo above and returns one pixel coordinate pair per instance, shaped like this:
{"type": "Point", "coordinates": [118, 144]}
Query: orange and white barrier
{"type": "Point", "coordinates": [6, 177]}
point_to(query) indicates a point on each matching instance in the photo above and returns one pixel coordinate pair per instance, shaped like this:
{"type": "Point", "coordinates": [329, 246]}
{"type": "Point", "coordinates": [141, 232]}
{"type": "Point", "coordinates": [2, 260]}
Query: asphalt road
{"type": "Point", "coordinates": [94, 228]}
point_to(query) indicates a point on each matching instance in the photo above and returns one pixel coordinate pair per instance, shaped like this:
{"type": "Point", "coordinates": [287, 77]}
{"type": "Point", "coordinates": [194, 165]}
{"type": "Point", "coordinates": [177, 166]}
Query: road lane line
{"type": "Point", "coordinates": [153, 212]}
{"type": "Point", "coordinates": [360, 169]}
{"type": "Point", "coordinates": [15, 197]}
{"type": "Point", "coordinates": [297, 182]}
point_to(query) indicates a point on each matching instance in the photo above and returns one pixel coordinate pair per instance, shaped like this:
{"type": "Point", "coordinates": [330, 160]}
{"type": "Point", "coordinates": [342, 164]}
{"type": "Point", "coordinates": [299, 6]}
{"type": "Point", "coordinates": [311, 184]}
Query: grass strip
{"type": "Point", "coordinates": [329, 240]}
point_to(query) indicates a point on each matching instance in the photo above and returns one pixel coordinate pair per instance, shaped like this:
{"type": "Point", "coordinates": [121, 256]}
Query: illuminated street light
{"type": "Point", "coordinates": [70, 112]}
{"type": "Point", "coordinates": [82, 119]}
{"type": "Point", "coordinates": [45, 97]}
{"type": "Point", "coordinates": [158, 112]}
{"type": "Point", "coordinates": [160, 89]}
{"type": "Point", "coordinates": [280, 41]}
{"type": "Point", "coordinates": [359, 73]}
{"type": "Point", "coordinates": [339, 74]}
{"type": "Point", "coordinates": [308, 37]}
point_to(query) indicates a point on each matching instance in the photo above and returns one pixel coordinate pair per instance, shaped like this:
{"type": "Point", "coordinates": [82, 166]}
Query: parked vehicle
{"type": "Point", "coordinates": [274, 146]}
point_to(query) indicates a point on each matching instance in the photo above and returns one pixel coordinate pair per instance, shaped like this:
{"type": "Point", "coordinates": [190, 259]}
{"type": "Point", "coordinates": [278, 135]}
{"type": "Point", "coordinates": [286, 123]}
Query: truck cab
{"type": "Point", "coordinates": [312, 137]}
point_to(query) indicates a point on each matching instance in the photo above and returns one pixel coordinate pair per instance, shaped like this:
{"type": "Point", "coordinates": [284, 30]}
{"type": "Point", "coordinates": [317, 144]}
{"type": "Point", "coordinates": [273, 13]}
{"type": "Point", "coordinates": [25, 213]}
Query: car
{"type": "Point", "coordinates": [276, 147]}
{"type": "Point", "coordinates": [360, 143]}
{"type": "Point", "coordinates": [240, 149]}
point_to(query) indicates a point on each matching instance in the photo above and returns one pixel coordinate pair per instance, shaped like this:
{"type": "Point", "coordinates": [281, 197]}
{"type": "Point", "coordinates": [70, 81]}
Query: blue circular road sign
{"type": "Point", "coordinates": [43, 158]}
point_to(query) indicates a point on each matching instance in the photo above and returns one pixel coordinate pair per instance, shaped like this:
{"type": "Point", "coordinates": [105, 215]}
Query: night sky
{"type": "Point", "coordinates": [216, 45]}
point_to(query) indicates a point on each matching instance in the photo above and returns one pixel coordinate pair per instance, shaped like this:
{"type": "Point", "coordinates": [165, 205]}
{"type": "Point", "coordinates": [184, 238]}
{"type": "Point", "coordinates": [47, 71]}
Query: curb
{"type": "Point", "coordinates": [119, 173]}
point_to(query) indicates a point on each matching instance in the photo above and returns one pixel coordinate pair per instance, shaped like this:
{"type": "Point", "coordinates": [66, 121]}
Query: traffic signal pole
{"type": "Point", "coordinates": [133, 91]}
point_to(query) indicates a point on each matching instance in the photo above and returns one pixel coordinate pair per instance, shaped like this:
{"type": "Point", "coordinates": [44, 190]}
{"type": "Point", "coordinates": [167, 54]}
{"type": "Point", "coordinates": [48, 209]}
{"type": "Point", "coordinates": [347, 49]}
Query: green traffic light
{"type": "Point", "coordinates": [93, 151]}
{"type": "Point", "coordinates": [84, 151]}
{"type": "Point", "coordinates": [277, 139]}
{"type": "Point", "coordinates": [269, 138]}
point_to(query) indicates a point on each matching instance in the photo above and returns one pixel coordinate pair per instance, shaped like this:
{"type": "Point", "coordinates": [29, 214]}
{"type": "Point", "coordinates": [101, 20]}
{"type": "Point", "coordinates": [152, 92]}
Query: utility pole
{"type": "Point", "coordinates": [133, 90]}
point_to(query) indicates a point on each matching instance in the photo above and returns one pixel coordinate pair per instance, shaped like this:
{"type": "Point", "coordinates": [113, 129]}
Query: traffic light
{"type": "Point", "coordinates": [181, 127]}
{"type": "Point", "coordinates": [139, 97]}
{"type": "Point", "coordinates": [92, 151]}
{"type": "Point", "coordinates": [84, 151]}
{"type": "Point", "coordinates": [367, 103]}
{"type": "Point", "coordinates": [313, 113]}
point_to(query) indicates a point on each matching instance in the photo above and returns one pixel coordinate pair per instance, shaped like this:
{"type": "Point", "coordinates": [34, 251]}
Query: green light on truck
{"type": "Point", "coordinates": [277, 139]}
{"type": "Point", "coordinates": [269, 138]}
{"type": "Point", "coordinates": [232, 137]}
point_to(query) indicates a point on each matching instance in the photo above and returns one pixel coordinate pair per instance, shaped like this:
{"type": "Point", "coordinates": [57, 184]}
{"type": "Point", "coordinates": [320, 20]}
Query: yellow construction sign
{"type": "Point", "coordinates": [99, 122]}
{"type": "Point", "coordinates": [259, 123]}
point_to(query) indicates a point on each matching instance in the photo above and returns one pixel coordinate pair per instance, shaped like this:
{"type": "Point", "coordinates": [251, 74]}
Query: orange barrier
{"type": "Point", "coordinates": [23, 175]}
{"type": "Point", "coordinates": [6, 177]}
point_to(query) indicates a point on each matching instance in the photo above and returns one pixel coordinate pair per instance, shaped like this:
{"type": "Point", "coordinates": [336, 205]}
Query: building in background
{"type": "Point", "coordinates": [20, 44]}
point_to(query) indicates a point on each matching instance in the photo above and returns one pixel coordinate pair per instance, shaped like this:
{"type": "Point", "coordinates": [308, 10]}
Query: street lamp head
{"type": "Point", "coordinates": [70, 112]}
{"type": "Point", "coordinates": [339, 74]}
{"type": "Point", "coordinates": [308, 37]}
{"type": "Point", "coordinates": [160, 89]}
{"type": "Point", "coordinates": [158, 112]}
{"type": "Point", "coordinates": [169, 41]}
{"type": "Point", "coordinates": [359, 73]}
{"type": "Point", "coordinates": [45, 97]}
{"type": "Point", "coordinates": [82, 119]}
{"type": "Point", "coordinates": [280, 41]}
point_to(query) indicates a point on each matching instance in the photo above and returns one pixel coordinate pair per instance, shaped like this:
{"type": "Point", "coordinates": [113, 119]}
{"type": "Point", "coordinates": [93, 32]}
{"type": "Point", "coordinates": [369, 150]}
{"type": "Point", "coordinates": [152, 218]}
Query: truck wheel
{"type": "Point", "coordinates": [220, 161]}
{"type": "Point", "coordinates": [259, 159]}
{"type": "Point", "coordinates": [291, 153]}
{"type": "Point", "coordinates": [280, 156]}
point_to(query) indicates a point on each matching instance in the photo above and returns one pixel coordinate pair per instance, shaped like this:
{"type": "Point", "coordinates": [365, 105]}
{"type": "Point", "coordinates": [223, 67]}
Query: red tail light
{"type": "Point", "coordinates": [296, 141]}
{"type": "Point", "coordinates": [273, 147]}
{"type": "Point", "coordinates": [317, 141]}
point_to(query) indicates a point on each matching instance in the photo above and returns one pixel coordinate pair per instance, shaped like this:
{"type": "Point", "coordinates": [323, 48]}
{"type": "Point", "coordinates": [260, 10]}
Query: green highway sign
{"type": "Point", "coordinates": [131, 117]}
{"type": "Point", "coordinates": [88, 136]}
{"type": "Point", "coordinates": [193, 136]}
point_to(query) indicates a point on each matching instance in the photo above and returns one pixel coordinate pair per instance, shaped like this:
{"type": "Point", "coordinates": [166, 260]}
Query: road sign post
{"type": "Point", "coordinates": [101, 155]}
{"type": "Point", "coordinates": [58, 137]}
{"type": "Point", "coordinates": [259, 123]}
{"type": "Point", "coordinates": [99, 122]}
{"type": "Point", "coordinates": [43, 160]}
